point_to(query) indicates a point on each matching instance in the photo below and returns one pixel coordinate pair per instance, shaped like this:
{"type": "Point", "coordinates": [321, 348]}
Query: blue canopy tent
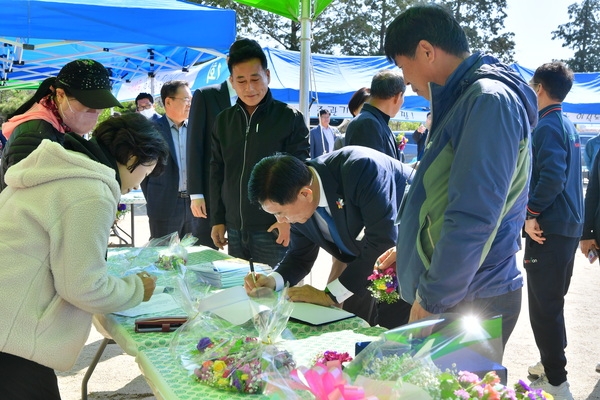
{"type": "Point", "coordinates": [334, 80]}
{"type": "Point", "coordinates": [582, 105]}
{"type": "Point", "coordinates": [133, 39]}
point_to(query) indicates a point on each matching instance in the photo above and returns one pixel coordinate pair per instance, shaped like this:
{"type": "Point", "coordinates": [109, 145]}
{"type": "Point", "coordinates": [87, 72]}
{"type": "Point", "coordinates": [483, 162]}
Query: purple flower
{"type": "Point", "coordinates": [462, 394]}
{"type": "Point", "coordinates": [204, 343]}
{"type": "Point", "coordinates": [122, 207]}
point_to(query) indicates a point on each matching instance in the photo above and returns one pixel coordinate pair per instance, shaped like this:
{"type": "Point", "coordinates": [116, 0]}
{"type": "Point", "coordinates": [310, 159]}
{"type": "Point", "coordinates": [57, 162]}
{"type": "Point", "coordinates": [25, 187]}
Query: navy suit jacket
{"type": "Point", "coordinates": [207, 103]}
{"type": "Point", "coordinates": [317, 147]}
{"type": "Point", "coordinates": [161, 192]}
{"type": "Point", "coordinates": [370, 129]}
{"type": "Point", "coordinates": [364, 189]}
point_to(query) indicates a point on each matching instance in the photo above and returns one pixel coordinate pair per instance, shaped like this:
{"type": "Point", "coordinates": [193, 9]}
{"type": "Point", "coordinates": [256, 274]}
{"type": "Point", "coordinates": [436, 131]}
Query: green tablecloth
{"type": "Point", "coordinates": [170, 381]}
{"type": "Point", "coordinates": [164, 373]}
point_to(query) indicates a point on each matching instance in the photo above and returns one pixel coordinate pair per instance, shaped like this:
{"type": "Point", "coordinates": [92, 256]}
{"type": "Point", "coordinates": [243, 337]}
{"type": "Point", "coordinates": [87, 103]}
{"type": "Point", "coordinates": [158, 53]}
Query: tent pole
{"type": "Point", "coordinates": [305, 28]}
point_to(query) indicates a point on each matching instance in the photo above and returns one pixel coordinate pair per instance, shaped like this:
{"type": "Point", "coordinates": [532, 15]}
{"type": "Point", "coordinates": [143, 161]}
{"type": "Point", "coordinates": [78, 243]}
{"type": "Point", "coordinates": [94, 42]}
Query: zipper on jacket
{"type": "Point", "coordinates": [248, 121]}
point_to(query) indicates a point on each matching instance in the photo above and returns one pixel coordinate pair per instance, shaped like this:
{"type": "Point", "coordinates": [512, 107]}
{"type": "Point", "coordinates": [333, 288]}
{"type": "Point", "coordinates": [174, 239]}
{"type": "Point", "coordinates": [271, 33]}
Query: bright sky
{"type": "Point", "coordinates": [532, 22]}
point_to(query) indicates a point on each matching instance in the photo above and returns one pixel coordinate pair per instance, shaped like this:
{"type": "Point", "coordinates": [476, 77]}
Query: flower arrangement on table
{"type": "Point", "coordinates": [234, 356]}
{"type": "Point", "coordinates": [384, 285]}
{"type": "Point", "coordinates": [405, 363]}
{"type": "Point", "coordinates": [237, 364]}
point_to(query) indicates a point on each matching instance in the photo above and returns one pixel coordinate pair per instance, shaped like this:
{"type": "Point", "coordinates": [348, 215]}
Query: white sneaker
{"type": "Point", "coordinates": [560, 392]}
{"type": "Point", "coordinates": [537, 370]}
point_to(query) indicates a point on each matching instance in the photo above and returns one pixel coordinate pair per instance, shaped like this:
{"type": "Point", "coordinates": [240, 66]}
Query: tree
{"type": "Point", "coordinates": [357, 27]}
{"type": "Point", "coordinates": [581, 35]}
{"type": "Point", "coordinates": [483, 22]}
{"type": "Point", "coordinates": [10, 100]}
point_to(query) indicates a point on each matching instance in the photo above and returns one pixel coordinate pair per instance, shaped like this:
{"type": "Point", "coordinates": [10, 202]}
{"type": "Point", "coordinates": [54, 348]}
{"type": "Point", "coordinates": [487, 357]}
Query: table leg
{"type": "Point", "coordinates": [92, 366]}
{"type": "Point", "coordinates": [132, 225]}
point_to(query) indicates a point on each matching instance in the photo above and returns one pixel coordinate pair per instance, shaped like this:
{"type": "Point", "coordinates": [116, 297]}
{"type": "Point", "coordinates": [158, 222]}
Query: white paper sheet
{"type": "Point", "coordinates": [318, 315]}
{"type": "Point", "coordinates": [158, 303]}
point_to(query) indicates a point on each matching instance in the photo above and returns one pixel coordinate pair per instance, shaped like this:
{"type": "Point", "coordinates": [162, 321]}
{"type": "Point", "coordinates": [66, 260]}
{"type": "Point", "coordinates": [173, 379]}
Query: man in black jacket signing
{"type": "Point", "coordinates": [257, 126]}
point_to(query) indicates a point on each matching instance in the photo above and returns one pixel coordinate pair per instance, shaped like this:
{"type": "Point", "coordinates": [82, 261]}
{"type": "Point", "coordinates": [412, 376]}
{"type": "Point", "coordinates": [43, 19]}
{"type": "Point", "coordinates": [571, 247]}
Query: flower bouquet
{"type": "Point", "coordinates": [229, 343]}
{"type": "Point", "coordinates": [428, 359]}
{"type": "Point", "coordinates": [401, 141]}
{"type": "Point", "coordinates": [384, 285]}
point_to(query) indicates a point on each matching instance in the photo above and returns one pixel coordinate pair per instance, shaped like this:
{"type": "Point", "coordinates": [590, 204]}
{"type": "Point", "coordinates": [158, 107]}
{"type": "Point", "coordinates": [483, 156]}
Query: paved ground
{"type": "Point", "coordinates": [117, 375]}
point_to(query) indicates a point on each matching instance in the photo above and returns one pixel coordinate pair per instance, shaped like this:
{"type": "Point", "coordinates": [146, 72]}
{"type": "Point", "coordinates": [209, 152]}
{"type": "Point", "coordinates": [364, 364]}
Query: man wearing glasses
{"type": "Point", "coordinates": [144, 104]}
{"type": "Point", "coordinates": [167, 199]}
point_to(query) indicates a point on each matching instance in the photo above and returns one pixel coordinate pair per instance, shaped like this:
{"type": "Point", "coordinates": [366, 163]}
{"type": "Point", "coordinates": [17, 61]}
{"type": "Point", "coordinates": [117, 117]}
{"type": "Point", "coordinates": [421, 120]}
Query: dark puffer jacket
{"type": "Point", "coordinates": [25, 138]}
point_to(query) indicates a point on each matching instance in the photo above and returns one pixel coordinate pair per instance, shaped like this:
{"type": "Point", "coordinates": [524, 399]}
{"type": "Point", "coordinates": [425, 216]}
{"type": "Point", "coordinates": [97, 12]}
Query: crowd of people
{"type": "Point", "coordinates": [239, 169]}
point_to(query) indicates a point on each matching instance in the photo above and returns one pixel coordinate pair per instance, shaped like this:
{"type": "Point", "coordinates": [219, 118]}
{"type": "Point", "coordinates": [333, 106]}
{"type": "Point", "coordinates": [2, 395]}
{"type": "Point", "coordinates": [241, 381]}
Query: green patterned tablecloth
{"type": "Point", "coordinates": [170, 381]}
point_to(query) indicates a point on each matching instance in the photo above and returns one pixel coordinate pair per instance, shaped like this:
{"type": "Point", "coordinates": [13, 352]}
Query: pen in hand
{"type": "Point", "coordinates": [252, 271]}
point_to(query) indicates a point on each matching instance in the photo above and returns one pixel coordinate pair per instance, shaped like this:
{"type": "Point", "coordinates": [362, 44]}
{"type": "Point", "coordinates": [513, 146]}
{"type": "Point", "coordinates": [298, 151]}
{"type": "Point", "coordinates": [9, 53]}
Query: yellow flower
{"type": "Point", "coordinates": [223, 382]}
{"type": "Point", "coordinates": [381, 286]}
{"type": "Point", "coordinates": [219, 366]}
{"type": "Point", "coordinates": [244, 377]}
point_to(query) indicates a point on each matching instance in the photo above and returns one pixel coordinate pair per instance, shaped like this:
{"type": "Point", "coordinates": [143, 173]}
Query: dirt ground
{"type": "Point", "coordinates": [117, 375]}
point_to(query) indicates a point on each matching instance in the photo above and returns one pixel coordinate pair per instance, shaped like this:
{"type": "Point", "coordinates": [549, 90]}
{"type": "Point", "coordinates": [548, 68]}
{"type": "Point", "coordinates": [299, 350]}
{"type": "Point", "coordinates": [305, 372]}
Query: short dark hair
{"type": "Point", "coordinates": [358, 99]}
{"type": "Point", "coordinates": [144, 96]}
{"type": "Point", "coordinates": [243, 50]}
{"type": "Point", "coordinates": [387, 83]}
{"type": "Point", "coordinates": [424, 22]}
{"type": "Point", "coordinates": [170, 88]}
{"type": "Point", "coordinates": [324, 111]}
{"type": "Point", "coordinates": [556, 78]}
{"type": "Point", "coordinates": [133, 135]}
{"type": "Point", "coordinates": [278, 178]}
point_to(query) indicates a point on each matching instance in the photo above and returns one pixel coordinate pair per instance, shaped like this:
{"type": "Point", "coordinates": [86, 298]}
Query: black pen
{"type": "Point", "coordinates": [252, 271]}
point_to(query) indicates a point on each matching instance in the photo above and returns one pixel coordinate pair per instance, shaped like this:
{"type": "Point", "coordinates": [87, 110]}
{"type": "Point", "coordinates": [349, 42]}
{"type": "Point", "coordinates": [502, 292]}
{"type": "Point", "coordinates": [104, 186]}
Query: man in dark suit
{"type": "Point", "coordinates": [371, 128]}
{"type": "Point", "coordinates": [167, 200]}
{"type": "Point", "coordinates": [345, 202]}
{"type": "Point", "coordinates": [207, 103]}
{"type": "Point", "coordinates": [322, 137]}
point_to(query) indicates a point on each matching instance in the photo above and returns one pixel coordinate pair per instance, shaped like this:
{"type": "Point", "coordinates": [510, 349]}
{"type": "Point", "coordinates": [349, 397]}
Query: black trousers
{"type": "Point", "coordinates": [549, 268]}
{"type": "Point", "coordinates": [26, 380]}
{"type": "Point", "coordinates": [182, 222]}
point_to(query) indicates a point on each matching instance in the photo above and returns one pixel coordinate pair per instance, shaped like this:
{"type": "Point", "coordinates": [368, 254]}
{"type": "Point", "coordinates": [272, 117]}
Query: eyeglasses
{"type": "Point", "coordinates": [186, 100]}
{"type": "Point", "coordinates": [146, 107]}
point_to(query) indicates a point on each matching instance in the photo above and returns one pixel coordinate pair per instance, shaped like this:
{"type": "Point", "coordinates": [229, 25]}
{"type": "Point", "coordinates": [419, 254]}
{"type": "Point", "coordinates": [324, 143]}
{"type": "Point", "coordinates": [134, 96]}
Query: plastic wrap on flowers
{"type": "Point", "coordinates": [415, 357]}
{"type": "Point", "coordinates": [231, 352]}
{"type": "Point", "coordinates": [416, 361]}
{"type": "Point", "coordinates": [158, 257]}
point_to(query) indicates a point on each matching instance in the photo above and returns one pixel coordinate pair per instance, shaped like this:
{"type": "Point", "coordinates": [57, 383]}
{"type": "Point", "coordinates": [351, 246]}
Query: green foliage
{"type": "Point", "coordinates": [10, 100]}
{"type": "Point", "coordinates": [581, 34]}
{"type": "Point", "coordinates": [483, 22]}
{"type": "Point", "coordinates": [353, 27]}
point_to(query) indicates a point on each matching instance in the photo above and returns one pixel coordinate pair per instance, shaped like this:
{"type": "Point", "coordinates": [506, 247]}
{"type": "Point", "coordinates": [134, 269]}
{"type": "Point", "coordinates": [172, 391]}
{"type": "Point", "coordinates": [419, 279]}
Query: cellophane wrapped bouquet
{"type": "Point", "coordinates": [166, 257]}
{"type": "Point", "coordinates": [229, 350]}
{"type": "Point", "coordinates": [429, 359]}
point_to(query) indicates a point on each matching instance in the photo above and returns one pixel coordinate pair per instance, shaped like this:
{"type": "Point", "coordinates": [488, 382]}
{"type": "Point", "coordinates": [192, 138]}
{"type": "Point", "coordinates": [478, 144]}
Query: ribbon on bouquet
{"type": "Point", "coordinates": [327, 382]}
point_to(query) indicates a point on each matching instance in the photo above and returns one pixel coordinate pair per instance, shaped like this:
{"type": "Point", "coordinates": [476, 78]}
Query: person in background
{"type": "Point", "coordinates": [355, 104]}
{"type": "Point", "coordinates": [362, 306]}
{"type": "Point", "coordinates": [167, 198]}
{"type": "Point", "coordinates": [57, 275]}
{"type": "Point", "coordinates": [591, 149]}
{"type": "Point", "coordinates": [144, 104]}
{"type": "Point", "coordinates": [322, 137]}
{"type": "Point", "coordinates": [207, 103]}
{"type": "Point", "coordinates": [420, 135]}
{"type": "Point", "coordinates": [71, 102]}
{"type": "Point", "coordinates": [553, 225]}
{"type": "Point", "coordinates": [459, 229]}
{"type": "Point", "coordinates": [344, 202]}
{"type": "Point", "coordinates": [589, 243]}
{"type": "Point", "coordinates": [256, 127]}
{"type": "Point", "coordinates": [371, 127]}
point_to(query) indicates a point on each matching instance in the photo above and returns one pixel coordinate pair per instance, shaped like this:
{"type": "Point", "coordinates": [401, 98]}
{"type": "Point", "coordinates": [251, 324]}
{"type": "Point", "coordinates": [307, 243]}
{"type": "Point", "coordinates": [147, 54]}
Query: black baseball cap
{"type": "Point", "coordinates": [89, 82]}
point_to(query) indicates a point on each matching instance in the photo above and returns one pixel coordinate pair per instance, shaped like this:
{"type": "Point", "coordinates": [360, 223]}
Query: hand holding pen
{"type": "Point", "coordinates": [254, 280]}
